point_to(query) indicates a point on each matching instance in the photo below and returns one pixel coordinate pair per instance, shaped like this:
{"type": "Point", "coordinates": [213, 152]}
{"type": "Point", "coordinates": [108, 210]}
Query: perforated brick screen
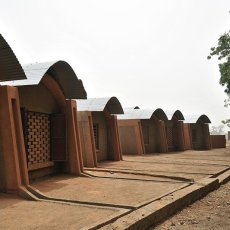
{"type": "Point", "coordinates": [170, 136]}
{"type": "Point", "coordinates": [38, 137]}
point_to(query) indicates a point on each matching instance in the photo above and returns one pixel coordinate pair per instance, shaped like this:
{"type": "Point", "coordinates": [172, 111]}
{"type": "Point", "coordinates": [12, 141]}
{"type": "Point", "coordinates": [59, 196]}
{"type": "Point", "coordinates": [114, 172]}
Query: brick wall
{"type": "Point", "coordinates": [218, 141]}
{"type": "Point", "coordinates": [38, 134]}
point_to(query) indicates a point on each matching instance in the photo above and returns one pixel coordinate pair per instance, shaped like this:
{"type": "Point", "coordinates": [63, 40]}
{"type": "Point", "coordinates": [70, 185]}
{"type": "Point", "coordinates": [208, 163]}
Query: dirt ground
{"type": "Point", "coordinates": [125, 191]}
{"type": "Point", "coordinates": [212, 212]}
{"type": "Point", "coordinates": [19, 214]}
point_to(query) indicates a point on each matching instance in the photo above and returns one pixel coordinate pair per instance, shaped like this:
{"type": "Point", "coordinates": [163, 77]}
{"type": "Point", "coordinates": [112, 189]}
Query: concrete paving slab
{"type": "Point", "coordinates": [129, 175]}
{"type": "Point", "coordinates": [19, 214]}
{"type": "Point", "coordinates": [159, 210]}
{"type": "Point", "coordinates": [188, 162]}
{"type": "Point", "coordinates": [193, 171]}
{"type": "Point", "coordinates": [180, 160]}
{"type": "Point", "coordinates": [115, 192]}
{"type": "Point", "coordinates": [161, 167]}
{"type": "Point", "coordinates": [216, 154]}
{"type": "Point", "coordinates": [190, 165]}
{"type": "Point", "coordinates": [175, 176]}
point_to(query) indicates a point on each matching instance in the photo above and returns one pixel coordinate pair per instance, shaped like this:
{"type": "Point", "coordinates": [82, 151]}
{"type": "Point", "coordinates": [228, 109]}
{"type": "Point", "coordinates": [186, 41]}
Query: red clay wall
{"type": "Point", "coordinates": [87, 139]}
{"type": "Point", "coordinates": [99, 119]}
{"type": "Point", "coordinates": [187, 137]}
{"type": "Point", "coordinates": [175, 135]}
{"type": "Point", "coordinates": [114, 138]}
{"type": "Point", "coordinates": [218, 141]}
{"type": "Point", "coordinates": [150, 135]}
{"type": "Point", "coordinates": [39, 105]}
{"type": "Point", "coordinates": [200, 136]}
{"type": "Point", "coordinates": [131, 137]}
{"type": "Point", "coordinates": [13, 167]}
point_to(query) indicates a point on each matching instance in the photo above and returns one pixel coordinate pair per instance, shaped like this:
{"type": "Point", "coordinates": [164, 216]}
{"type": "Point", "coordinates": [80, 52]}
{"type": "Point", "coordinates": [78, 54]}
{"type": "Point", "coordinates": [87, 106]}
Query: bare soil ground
{"type": "Point", "coordinates": [117, 194]}
{"type": "Point", "coordinates": [212, 212]}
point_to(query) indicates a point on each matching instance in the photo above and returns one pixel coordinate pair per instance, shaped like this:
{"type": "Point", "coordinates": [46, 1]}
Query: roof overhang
{"type": "Point", "coordinates": [160, 114]}
{"type": "Point", "coordinates": [174, 115]}
{"type": "Point", "coordinates": [203, 119]}
{"type": "Point", "coordinates": [60, 71]}
{"type": "Point", "coordinates": [143, 114]}
{"type": "Point", "coordinates": [197, 119]}
{"type": "Point", "coordinates": [112, 104]}
{"type": "Point", "coordinates": [10, 68]}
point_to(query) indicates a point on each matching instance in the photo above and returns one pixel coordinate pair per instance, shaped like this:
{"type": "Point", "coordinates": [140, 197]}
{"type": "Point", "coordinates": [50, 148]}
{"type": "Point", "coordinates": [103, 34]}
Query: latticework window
{"type": "Point", "coordinates": [96, 135]}
{"type": "Point", "coordinates": [38, 139]}
{"type": "Point", "coordinates": [170, 136]}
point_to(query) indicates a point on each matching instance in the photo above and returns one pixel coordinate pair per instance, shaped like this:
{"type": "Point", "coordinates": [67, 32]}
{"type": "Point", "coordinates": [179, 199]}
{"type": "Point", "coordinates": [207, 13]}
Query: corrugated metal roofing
{"type": "Point", "coordinates": [10, 68]}
{"type": "Point", "coordinates": [61, 71]}
{"type": "Point", "coordinates": [171, 113]}
{"type": "Point", "coordinates": [99, 104]}
{"type": "Point", "coordinates": [131, 108]}
{"type": "Point", "coordinates": [143, 114]}
{"type": "Point", "coordinates": [197, 118]}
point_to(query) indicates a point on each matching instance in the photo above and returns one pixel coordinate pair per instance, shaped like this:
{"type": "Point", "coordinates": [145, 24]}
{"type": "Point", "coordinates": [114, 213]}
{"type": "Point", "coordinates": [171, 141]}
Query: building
{"type": "Point", "coordinates": [99, 130]}
{"type": "Point", "coordinates": [196, 132]}
{"type": "Point", "coordinates": [143, 131]}
{"type": "Point", "coordinates": [175, 131]}
{"type": "Point", "coordinates": [10, 68]}
{"type": "Point", "coordinates": [39, 113]}
{"type": "Point", "coordinates": [11, 177]}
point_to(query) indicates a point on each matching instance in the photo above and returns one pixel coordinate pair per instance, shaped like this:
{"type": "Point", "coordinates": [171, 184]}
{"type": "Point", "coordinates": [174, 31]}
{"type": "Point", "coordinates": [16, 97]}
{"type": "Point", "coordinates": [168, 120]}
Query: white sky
{"type": "Point", "coordinates": [147, 53]}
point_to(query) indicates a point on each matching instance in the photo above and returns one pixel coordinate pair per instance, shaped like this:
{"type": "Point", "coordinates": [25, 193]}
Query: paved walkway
{"type": "Point", "coordinates": [113, 191]}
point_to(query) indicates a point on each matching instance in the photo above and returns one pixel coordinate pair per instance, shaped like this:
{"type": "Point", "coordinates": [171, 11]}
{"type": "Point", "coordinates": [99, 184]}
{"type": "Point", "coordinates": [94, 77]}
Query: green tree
{"type": "Point", "coordinates": [222, 51]}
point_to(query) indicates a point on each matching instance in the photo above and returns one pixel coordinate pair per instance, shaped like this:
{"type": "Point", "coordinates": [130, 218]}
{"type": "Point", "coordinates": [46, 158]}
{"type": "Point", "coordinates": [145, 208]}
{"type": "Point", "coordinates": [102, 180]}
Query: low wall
{"type": "Point", "coordinates": [218, 141]}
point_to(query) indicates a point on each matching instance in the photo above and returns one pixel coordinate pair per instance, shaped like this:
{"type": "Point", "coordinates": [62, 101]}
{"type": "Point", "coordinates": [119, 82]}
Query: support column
{"type": "Point", "coordinates": [13, 164]}
{"type": "Point", "coordinates": [88, 148]}
{"type": "Point", "coordinates": [92, 140]}
{"type": "Point", "coordinates": [181, 136]}
{"type": "Point", "coordinates": [75, 161]}
{"type": "Point", "coordinates": [140, 139]}
{"type": "Point", "coordinates": [115, 138]}
{"type": "Point", "coordinates": [163, 145]}
{"type": "Point", "coordinates": [187, 137]}
{"type": "Point", "coordinates": [207, 139]}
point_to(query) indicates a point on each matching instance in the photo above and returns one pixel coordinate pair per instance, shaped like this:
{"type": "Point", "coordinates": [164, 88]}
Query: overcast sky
{"type": "Point", "coordinates": [147, 53]}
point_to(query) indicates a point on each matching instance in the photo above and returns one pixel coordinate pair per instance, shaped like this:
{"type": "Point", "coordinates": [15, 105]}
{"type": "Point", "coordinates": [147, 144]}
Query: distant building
{"type": "Point", "coordinates": [197, 133]}
{"type": "Point", "coordinates": [99, 130]}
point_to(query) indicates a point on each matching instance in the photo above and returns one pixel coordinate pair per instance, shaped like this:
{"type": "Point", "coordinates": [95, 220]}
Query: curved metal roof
{"type": "Point", "coordinates": [61, 71]}
{"type": "Point", "coordinates": [177, 114]}
{"type": "Point", "coordinates": [197, 118]}
{"type": "Point", "coordinates": [143, 114]}
{"type": "Point", "coordinates": [10, 68]}
{"type": "Point", "coordinates": [131, 108]}
{"type": "Point", "coordinates": [99, 105]}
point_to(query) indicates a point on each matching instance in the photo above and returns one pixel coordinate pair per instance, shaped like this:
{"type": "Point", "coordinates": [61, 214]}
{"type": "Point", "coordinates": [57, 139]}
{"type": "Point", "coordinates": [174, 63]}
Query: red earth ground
{"type": "Point", "coordinates": [209, 213]}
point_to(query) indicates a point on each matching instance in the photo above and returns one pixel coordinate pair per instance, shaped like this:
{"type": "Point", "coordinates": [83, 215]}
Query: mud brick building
{"type": "Point", "coordinates": [11, 176]}
{"type": "Point", "coordinates": [218, 141]}
{"type": "Point", "coordinates": [143, 131]}
{"type": "Point", "coordinates": [99, 130]}
{"type": "Point", "coordinates": [196, 132]}
{"type": "Point", "coordinates": [48, 126]}
{"type": "Point", "coordinates": [175, 131]}
{"type": "Point", "coordinates": [37, 113]}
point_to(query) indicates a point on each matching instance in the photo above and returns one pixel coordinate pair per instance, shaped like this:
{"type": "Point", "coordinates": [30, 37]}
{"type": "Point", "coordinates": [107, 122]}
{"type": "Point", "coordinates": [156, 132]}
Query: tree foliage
{"type": "Point", "coordinates": [222, 51]}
